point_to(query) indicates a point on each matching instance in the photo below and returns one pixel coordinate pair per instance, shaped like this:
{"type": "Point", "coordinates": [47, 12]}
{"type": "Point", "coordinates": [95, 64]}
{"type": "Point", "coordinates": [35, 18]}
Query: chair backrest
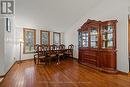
{"type": "Point", "coordinates": [61, 47]}
{"type": "Point", "coordinates": [36, 47]}
{"type": "Point", "coordinates": [53, 49]}
{"type": "Point", "coordinates": [71, 46]}
{"type": "Point", "coordinates": [44, 50]}
{"type": "Point", "coordinates": [40, 49]}
{"type": "Point", "coordinates": [46, 47]}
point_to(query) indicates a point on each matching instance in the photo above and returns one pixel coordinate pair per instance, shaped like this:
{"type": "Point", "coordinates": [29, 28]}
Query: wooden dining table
{"type": "Point", "coordinates": [48, 52]}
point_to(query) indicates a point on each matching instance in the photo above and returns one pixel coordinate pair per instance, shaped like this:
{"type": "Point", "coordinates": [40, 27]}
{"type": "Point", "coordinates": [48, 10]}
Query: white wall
{"type": "Point", "coordinates": [107, 10]}
{"type": "Point", "coordinates": [1, 46]}
{"type": "Point", "coordinates": [129, 11]}
{"type": "Point", "coordinates": [7, 47]}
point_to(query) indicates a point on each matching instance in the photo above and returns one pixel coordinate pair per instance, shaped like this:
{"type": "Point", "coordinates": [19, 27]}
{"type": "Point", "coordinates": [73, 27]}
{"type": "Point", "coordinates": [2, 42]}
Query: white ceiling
{"type": "Point", "coordinates": [60, 14]}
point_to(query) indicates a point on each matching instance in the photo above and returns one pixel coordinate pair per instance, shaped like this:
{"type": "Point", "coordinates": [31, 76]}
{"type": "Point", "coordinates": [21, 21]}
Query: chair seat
{"type": "Point", "coordinates": [42, 56]}
{"type": "Point", "coordinates": [68, 53]}
{"type": "Point", "coordinates": [52, 55]}
{"type": "Point", "coordinates": [60, 54]}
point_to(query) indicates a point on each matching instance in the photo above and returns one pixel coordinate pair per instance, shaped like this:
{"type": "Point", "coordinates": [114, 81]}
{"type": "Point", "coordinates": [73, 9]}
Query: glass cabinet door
{"type": "Point", "coordinates": [94, 38]}
{"type": "Point", "coordinates": [80, 39]}
{"type": "Point", "coordinates": [107, 36]}
{"type": "Point", "coordinates": [84, 39]}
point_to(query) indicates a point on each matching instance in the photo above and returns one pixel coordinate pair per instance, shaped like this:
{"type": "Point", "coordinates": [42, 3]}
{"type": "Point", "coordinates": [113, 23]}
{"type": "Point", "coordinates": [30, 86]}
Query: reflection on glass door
{"type": "Point", "coordinates": [93, 38]}
{"type": "Point", "coordinates": [107, 36]}
{"type": "Point", "coordinates": [80, 39]}
{"type": "Point", "coordinates": [84, 39]}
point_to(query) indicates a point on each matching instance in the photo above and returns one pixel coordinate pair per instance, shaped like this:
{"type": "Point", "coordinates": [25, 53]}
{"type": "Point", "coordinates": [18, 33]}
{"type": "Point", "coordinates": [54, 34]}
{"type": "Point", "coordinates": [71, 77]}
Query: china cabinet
{"type": "Point", "coordinates": [97, 45]}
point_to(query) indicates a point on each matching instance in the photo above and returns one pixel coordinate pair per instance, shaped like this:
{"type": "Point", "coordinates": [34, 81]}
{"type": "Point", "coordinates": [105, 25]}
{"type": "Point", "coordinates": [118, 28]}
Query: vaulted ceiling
{"type": "Point", "coordinates": [60, 14]}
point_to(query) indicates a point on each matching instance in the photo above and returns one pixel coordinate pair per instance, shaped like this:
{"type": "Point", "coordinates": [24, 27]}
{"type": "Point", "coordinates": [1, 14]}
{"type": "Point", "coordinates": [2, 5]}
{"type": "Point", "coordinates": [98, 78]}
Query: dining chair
{"type": "Point", "coordinates": [69, 52]}
{"type": "Point", "coordinates": [52, 53]}
{"type": "Point", "coordinates": [40, 55]}
{"type": "Point", "coordinates": [61, 51]}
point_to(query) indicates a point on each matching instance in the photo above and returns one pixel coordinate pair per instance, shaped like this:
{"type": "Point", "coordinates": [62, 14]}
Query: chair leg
{"type": "Point", "coordinates": [58, 59]}
{"type": "Point", "coordinates": [38, 60]}
{"type": "Point", "coordinates": [50, 60]}
{"type": "Point", "coordinates": [34, 59]}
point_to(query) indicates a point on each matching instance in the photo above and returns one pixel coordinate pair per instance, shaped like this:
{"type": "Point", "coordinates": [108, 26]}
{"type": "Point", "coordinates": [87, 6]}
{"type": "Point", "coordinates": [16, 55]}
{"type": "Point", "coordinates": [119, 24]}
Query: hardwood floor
{"type": "Point", "coordinates": [66, 74]}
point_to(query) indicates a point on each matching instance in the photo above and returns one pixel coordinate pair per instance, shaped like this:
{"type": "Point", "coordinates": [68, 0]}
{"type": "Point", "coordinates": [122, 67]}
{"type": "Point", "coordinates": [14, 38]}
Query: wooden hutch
{"type": "Point", "coordinates": [97, 45]}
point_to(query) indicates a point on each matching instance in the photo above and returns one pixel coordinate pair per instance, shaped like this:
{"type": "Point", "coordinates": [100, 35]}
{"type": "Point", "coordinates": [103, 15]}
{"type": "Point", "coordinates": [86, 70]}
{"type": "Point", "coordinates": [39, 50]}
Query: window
{"type": "Point", "coordinates": [56, 38]}
{"type": "Point", "coordinates": [44, 37]}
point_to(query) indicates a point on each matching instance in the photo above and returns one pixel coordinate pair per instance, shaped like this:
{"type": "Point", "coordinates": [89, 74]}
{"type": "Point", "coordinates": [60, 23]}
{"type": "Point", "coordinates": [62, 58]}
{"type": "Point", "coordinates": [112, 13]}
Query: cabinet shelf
{"type": "Point", "coordinates": [93, 41]}
{"type": "Point", "coordinates": [108, 40]}
{"type": "Point", "coordinates": [93, 35]}
{"type": "Point", "coordinates": [107, 33]}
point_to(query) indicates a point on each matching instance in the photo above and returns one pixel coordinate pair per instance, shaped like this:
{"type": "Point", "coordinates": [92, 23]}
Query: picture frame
{"type": "Point", "coordinates": [29, 36]}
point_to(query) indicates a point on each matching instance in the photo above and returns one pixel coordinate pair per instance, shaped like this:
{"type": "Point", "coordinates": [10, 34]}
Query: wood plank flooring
{"type": "Point", "coordinates": [66, 74]}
